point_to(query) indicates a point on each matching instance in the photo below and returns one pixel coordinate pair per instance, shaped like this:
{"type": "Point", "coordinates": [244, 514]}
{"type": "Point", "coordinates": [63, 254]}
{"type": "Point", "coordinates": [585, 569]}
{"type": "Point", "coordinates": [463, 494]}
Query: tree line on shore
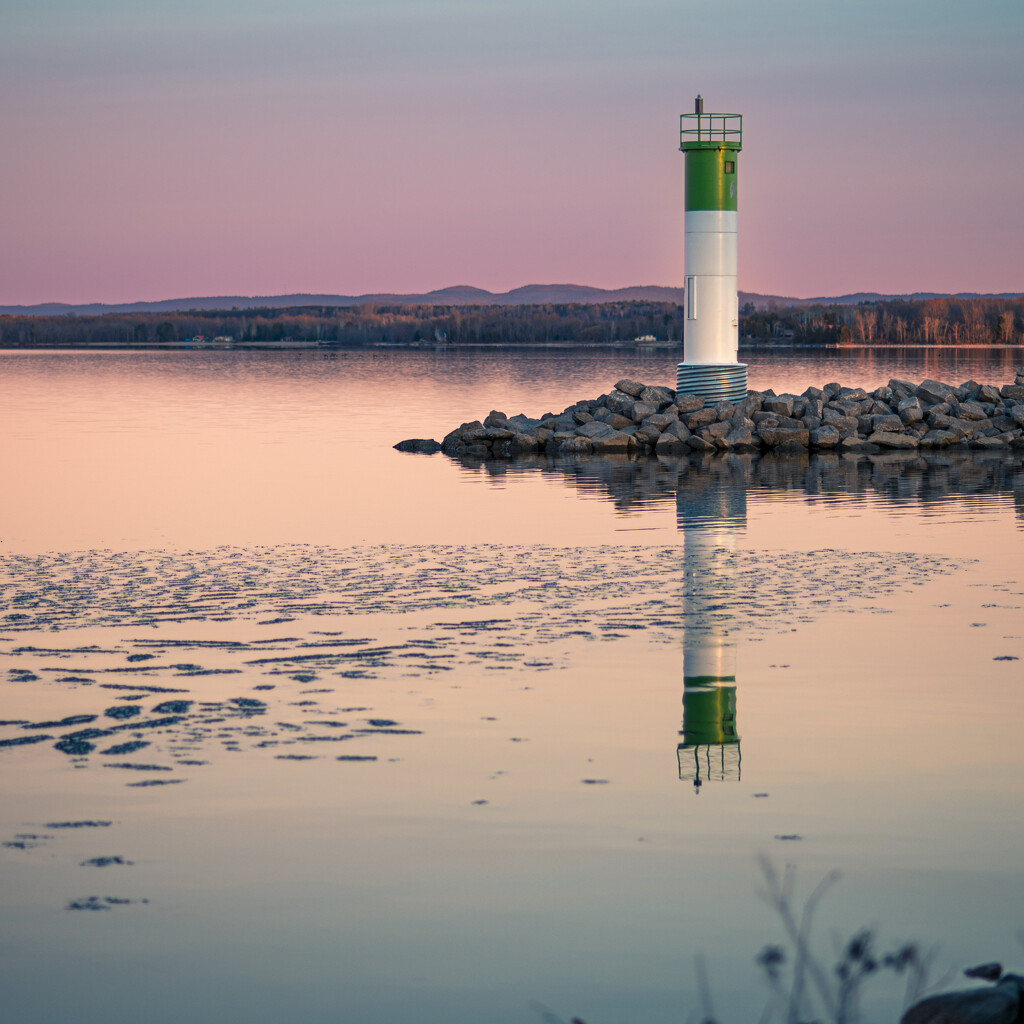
{"type": "Point", "coordinates": [938, 321]}
{"type": "Point", "coordinates": [942, 321]}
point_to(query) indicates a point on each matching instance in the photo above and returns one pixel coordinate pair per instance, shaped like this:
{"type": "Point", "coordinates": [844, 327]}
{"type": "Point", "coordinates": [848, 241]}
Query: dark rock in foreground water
{"type": "Point", "coordinates": [637, 419]}
{"type": "Point", "coordinates": [1000, 1004]}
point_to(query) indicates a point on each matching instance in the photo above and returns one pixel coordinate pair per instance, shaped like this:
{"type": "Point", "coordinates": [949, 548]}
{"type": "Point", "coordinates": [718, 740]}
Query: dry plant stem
{"type": "Point", "coordinates": [701, 968]}
{"type": "Point", "coordinates": [768, 1013]}
{"type": "Point", "coordinates": [780, 897]}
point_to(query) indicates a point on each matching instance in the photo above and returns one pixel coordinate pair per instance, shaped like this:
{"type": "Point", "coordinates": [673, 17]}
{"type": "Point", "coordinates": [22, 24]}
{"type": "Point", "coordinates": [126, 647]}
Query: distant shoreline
{"type": "Point", "coordinates": [562, 346]}
{"type": "Point", "coordinates": [622, 324]}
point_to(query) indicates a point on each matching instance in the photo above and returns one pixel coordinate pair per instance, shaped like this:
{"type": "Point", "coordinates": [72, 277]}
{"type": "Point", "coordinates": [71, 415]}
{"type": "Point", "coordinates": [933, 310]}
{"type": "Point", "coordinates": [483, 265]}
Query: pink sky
{"type": "Point", "coordinates": [163, 150]}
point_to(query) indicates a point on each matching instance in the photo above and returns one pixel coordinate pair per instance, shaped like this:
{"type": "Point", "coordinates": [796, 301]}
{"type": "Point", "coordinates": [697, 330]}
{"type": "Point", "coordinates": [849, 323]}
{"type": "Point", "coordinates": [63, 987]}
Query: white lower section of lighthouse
{"type": "Point", "coordinates": [710, 365]}
{"type": "Point", "coordinates": [712, 305]}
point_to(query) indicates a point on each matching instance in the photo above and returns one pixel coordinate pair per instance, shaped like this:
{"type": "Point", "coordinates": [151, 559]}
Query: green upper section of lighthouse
{"type": "Point", "coordinates": [710, 142]}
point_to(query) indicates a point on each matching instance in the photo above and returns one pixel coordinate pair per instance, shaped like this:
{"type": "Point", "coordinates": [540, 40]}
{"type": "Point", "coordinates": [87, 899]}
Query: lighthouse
{"type": "Point", "coordinates": [710, 366]}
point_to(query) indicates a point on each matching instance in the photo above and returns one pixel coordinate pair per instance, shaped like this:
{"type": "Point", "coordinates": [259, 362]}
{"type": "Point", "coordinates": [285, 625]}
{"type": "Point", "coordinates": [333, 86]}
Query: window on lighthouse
{"type": "Point", "coordinates": [691, 298]}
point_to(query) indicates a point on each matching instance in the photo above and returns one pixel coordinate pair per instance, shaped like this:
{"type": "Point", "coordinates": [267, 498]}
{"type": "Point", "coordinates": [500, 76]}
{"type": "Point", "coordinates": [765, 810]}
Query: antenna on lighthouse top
{"type": "Point", "coordinates": [698, 104]}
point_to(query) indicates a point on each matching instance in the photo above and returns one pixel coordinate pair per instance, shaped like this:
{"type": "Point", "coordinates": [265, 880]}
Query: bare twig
{"type": "Point", "coordinates": [701, 968]}
{"type": "Point", "coordinates": [780, 898]}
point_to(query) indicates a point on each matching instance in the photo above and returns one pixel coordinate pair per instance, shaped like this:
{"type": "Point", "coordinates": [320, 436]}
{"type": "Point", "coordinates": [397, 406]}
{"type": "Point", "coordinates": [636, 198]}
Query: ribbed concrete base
{"type": "Point", "coordinates": [714, 381]}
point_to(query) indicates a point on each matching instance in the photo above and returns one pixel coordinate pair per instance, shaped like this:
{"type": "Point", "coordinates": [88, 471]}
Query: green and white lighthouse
{"type": "Point", "coordinates": [710, 365]}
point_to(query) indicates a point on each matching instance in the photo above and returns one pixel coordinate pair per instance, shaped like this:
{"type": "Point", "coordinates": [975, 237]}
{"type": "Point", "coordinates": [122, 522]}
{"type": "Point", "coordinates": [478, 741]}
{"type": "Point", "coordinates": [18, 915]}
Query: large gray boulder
{"type": "Point", "coordinates": [933, 391]}
{"type": "Point", "coordinates": [630, 387]}
{"type": "Point", "coordinates": [890, 439]}
{"type": "Point", "coordinates": [658, 396]}
{"type": "Point", "coordinates": [773, 437]}
{"type": "Point", "coordinates": [669, 444]}
{"type": "Point", "coordinates": [750, 405]}
{"type": "Point", "coordinates": [951, 424]}
{"type": "Point", "coordinates": [498, 434]}
{"type": "Point", "coordinates": [809, 407]}
{"type": "Point", "coordinates": [790, 447]}
{"type": "Point", "coordinates": [506, 449]}
{"type": "Point", "coordinates": [595, 429]}
{"type": "Point", "coordinates": [740, 437]}
{"type": "Point", "coordinates": [620, 403]}
{"type": "Point", "coordinates": [647, 435]}
{"type": "Point", "coordinates": [782, 404]}
{"type": "Point", "coordinates": [679, 430]}
{"type": "Point", "coordinates": [660, 420]}
{"type": "Point", "coordinates": [856, 444]}
{"type": "Point", "coordinates": [889, 423]}
{"type": "Point", "coordinates": [576, 446]}
{"type": "Point", "coordinates": [825, 436]}
{"type": "Point", "coordinates": [910, 410]}
{"type": "Point", "coordinates": [701, 418]}
{"type": "Point", "coordinates": [614, 443]}
{"type": "Point", "coordinates": [902, 388]}
{"type": "Point", "coordinates": [846, 425]}
{"type": "Point", "coordinates": [715, 430]}
{"type": "Point", "coordinates": [939, 439]}
{"type": "Point", "coordinates": [698, 444]}
{"type": "Point", "coordinates": [528, 443]}
{"type": "Point", "coordinates": [689, 403]}
{"type": "Point", "coordinates": [972, 411]}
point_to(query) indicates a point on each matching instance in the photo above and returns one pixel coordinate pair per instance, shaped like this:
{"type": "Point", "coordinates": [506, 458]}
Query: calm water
{"type": "Point", "coordinates": [306, 729]}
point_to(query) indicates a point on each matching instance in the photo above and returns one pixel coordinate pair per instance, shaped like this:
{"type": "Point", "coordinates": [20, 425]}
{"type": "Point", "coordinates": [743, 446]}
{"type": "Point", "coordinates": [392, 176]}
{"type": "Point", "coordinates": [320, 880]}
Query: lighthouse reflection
{"type": "Point", "coordinates": [712, 514]}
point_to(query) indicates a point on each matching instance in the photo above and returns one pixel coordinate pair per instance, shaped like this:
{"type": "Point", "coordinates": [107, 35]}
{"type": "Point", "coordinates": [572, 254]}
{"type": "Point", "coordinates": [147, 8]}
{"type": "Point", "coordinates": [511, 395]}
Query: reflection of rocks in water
{"type": "Point", "coordinates": [901, 476]}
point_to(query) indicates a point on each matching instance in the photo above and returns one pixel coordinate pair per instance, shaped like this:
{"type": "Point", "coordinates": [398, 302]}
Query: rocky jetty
{"type": "Point", "coordinates": [637, 419]}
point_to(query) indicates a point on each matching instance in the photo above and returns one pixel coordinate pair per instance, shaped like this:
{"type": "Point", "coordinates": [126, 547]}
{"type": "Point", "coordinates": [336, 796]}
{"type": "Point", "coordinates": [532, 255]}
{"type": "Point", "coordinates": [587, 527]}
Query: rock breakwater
{"type": "Point", "coordinates": [638, 419]}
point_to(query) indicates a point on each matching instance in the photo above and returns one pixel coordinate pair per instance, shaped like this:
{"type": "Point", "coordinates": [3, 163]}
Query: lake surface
{"type": "Point", "coordinates": [295, 727]}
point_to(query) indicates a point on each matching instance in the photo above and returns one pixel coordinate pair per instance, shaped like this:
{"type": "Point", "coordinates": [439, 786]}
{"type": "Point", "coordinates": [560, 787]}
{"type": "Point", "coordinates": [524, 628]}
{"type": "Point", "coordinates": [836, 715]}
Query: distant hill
{"type": "Point", "coordinates": [856, 297]}
{"type": "Point", "coordinates": [459, 295]}
{"type": "Point", "coordinates": [456, 295]}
